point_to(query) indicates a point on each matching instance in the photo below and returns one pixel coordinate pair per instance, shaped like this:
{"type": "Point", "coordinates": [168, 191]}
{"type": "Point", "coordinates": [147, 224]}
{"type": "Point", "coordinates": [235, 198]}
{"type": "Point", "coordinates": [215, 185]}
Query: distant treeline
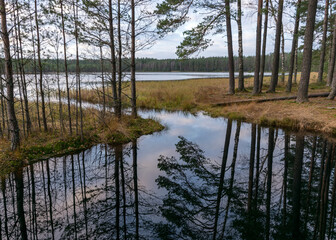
{"type": "Point", "coordinates": [209, 64]}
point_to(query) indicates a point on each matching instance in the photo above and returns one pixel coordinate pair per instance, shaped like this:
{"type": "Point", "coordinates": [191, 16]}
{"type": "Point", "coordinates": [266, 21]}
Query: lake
{"type": "Point", "coordinates": [201, 178]}
{"type": "Point", "coordinates": [93, 80]}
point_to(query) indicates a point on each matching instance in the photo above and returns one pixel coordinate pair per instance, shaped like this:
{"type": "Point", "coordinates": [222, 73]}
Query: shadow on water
{"type": "Point", "coordinates": [264, 184]}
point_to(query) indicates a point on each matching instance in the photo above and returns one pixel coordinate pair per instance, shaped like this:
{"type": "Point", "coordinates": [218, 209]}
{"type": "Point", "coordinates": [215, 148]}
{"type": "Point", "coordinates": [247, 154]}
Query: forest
{"type": "Point", "coordinates": [209, 64]}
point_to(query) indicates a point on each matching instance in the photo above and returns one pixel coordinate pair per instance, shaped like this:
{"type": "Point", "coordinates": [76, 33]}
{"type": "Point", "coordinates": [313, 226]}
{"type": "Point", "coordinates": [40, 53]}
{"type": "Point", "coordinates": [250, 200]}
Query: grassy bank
{"type": "Point", "coordinates": [41, 145]}
{"type": "Point", "coordinates": [203, 94]}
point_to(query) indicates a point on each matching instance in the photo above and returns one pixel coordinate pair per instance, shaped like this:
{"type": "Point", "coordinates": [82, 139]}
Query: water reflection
{"type": "Point", "coordinates": [267, 184]}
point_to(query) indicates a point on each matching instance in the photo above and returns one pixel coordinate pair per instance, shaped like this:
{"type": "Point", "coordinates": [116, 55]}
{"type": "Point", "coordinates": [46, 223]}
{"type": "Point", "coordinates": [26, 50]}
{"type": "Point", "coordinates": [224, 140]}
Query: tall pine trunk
{"type": "Point", "coordinates": [307, 52]}
{"type": "Point", "coordinates": [102, 77]}
{"type": "Point", "coordinates": [66, 68]}
{"type": "Point", "coordinates": [230, 48]}
{"type": "Point", "coordinates": [294, 48]}
{"type": "Point", "coordinates": [22, 72]}
{"type": "Point", "coordinates": [331, 65]}
{"type": "Point", "coordinates": [263, 57]}
{"type": "Point", "coordinates": [282, 55]}
{"type": "Point", "coordinates": [78, 77]}
{"type": "Point", "coordinates": [113, 59]}
{"type": "Point", "coordinates": [133, 83]}
{"type": "Point", "coordinates": [119, 61]}
{"type": "Point", "coordinates": [241, 86]}
{"type": "Point", "coordinates": [256, 89]}
{"type": "Point", "coordinates": [13, 124]}
{"type": "Point", "coordinates": [35, 69]}
{"type": "Point", "coordinates": [276, 53]}
{"type": "Point", "coordinates": [324, 37]}
{"type": "Point", "coordinates": [44, 118]}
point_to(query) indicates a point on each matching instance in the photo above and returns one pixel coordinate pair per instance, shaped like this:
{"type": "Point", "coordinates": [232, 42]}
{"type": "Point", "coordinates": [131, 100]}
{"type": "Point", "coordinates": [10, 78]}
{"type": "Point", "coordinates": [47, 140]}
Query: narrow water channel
{"type": "Point", "coordinates": [201, 178]}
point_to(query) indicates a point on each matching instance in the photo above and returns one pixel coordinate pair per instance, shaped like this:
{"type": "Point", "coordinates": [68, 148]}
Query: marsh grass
{"type": "Point", "coordinates": [40, 145]}
{"type": "Point", "coordinates": [202, 94]}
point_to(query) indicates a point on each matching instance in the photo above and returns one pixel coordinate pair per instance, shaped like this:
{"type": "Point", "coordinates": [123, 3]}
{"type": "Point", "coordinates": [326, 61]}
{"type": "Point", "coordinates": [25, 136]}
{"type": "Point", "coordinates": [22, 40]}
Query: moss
{"type": "Point", "coordinates": [289, 123]}
{"type": "Point", "coordinates": [267, 122]}
{"type": "Point", "coordinates": [236, 116]}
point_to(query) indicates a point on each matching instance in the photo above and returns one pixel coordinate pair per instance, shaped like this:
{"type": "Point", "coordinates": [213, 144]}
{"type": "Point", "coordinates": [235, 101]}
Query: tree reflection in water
{"type": "Point", "coordinates": [268, 184]}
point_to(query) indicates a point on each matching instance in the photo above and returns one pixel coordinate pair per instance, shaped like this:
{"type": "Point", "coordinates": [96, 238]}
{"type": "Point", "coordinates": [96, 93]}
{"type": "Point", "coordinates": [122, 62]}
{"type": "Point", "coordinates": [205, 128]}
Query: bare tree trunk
{"type": "Point", "coordinates": [44, 118]}
{"type": "Point", "coordinates": [275, 65]}
{"type": "Point", "coordinates": [256, 86]}
{"type": "Point", "coordinates": [51, 111]}
{"type": "Point", "coordinates": [324, 37]}
{"type": "Point", "coordinates": [331, 65]}
{"type": "Point", "coordinates": [22, 72]}
{"type": "Point", "coordinates": [2, 123]}
{"type": "Point", "coordinates": [282, 55]}
{"type": "Point", "coordinates": [307, 52]}
{"type": "Point", "coordinates": [20, 93]}
{"type": "Point", "coordinates": [133, 83]}
{"type": "Point", "coordinates": [119, 61]}
{"type": "Point", "coordinates": [3, 117]}
{"type": "Point", "coordinates": [35, 69]}
{"type": "Point", "coordinates": [66, 68]}
{"type": "Point", "coordinates": [113, 59]}
{"type": "Point", "coordinates": [230, 48]}
{"type": "Point", "coordinates": [18, 71]}
{"type": "Point", "coordinates": [13, 124]}
{"type": "Point", "coordinates": [60, 105]}
{"type": "Point", "coordinates": [333, 89]}
{"type": "Point", "coordinates": [263, 57]}
{"type": "Point", "coordinates": [241, 86]}
{"type": "Point", "coordinates": [294, 48]}
{"type": "Point", "coordinates": [78, 77]}
{"type": "Point", "coordinates": [296, 65]}
{"type": "Point", "coordinates": [103, 78]}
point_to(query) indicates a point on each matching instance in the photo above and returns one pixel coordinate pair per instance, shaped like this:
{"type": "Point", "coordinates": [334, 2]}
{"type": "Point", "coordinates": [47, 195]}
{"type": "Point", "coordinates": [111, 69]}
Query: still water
{"type": "Point", "coordinates": [201, 178]}
{"type": "Point", "coordinates": [89, 80]}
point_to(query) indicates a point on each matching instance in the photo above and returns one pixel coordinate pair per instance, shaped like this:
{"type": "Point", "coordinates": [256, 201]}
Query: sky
{"type": "Point", "coordinates": [166, 47]}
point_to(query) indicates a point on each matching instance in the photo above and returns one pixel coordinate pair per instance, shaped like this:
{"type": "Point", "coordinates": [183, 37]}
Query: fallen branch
{"type": "Point", "coordinates": [268, 99]}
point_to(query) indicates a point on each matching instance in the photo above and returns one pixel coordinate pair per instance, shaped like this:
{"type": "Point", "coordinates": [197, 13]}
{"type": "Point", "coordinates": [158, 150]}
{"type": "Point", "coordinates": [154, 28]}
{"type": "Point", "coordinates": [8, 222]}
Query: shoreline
{"type": "Point", "coordinates": [318, 115]}
{"type": "Point", "coordinates": [40, 146]}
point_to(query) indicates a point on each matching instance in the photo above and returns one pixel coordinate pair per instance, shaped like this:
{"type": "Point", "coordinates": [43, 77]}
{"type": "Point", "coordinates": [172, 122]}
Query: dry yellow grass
{"type": "Point", "coordinates": [318, 115]}
{"type": "Point", "coordinates": [202, 94]}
